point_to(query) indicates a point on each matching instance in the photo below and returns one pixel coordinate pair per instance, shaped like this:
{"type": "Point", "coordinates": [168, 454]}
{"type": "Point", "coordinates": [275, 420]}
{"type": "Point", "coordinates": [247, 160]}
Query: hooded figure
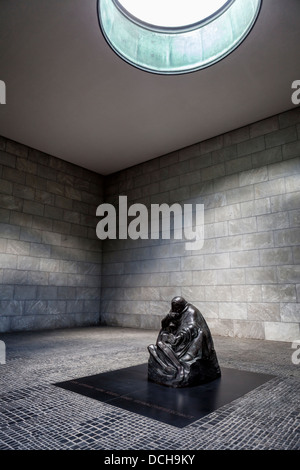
{"type": "Point", "coordinates": [184, 353]}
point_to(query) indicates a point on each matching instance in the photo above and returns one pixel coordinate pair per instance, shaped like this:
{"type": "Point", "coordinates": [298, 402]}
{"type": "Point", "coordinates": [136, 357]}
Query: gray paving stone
{"type": "Point", "coordinates": [34, 414]}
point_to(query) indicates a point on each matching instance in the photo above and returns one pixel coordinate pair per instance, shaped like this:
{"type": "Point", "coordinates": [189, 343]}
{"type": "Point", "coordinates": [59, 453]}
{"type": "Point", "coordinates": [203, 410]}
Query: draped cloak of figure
{"type": "Point", "coordinates": [184, 353]}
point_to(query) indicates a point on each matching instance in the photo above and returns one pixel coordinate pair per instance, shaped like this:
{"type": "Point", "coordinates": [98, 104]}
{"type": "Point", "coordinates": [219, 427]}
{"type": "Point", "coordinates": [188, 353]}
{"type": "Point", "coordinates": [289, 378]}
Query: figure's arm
{"type": "Point", "coordinates": [187, 334]}
{"type": "Point", "coordinates": [165, 321]}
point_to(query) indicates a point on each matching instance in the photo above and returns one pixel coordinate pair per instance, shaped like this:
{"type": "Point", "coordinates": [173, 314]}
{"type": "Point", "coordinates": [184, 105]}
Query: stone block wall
{"type": "Point", "coordinates": [246, 278]}
{"type": "Point", "coordinates": [50, 257]}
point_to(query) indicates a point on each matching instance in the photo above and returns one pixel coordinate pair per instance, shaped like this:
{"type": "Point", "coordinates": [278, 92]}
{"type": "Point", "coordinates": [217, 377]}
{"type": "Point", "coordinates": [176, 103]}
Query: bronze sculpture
{"type": "Point", "coordinates": [184, 353]}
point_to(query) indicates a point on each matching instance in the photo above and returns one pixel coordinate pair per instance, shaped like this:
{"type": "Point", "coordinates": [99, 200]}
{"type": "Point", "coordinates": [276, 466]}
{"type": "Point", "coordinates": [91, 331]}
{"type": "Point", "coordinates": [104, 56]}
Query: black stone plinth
{"type": "Point", "coordinates": [130, 389]}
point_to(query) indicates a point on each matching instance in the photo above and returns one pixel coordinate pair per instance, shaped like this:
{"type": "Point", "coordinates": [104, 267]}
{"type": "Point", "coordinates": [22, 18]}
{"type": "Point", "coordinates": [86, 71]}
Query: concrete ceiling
{"type": "Point", "coordinates": [70, 96]}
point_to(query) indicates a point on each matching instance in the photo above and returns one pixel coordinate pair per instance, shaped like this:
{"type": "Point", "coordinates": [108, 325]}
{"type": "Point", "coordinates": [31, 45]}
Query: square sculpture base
{"type": "Point", "coordinates": [130, 389]}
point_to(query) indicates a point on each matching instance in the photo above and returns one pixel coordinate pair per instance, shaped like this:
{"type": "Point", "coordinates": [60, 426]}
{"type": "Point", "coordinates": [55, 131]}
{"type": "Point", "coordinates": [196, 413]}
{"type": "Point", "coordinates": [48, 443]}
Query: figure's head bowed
{"type": "Point", "coordinates": [178, 304]}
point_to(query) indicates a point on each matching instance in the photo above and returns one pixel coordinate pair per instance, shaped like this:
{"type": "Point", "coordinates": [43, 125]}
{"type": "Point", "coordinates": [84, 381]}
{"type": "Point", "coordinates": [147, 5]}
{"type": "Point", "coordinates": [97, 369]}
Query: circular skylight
{"type": "Point", "coordinates": [175, 36]}
{"type": "Point", "coordinates": [172, 13]}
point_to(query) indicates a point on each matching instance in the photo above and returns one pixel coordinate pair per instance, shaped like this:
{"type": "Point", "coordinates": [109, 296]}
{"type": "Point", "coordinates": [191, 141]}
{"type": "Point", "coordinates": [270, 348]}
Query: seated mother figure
{"type": "Point", "coordinates": [184, 353]}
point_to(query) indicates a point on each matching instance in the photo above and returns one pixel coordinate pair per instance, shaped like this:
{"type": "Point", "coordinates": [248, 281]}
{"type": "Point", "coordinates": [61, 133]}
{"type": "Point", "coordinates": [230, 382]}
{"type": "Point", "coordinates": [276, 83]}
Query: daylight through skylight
{"type": "Point", "coordinates": [176, 36]}
{"type": "Point", "coordinates": [172, 13]}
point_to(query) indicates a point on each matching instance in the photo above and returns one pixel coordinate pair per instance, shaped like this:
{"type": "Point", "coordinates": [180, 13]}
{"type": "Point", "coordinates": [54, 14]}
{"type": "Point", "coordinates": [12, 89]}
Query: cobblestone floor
{"type": "Point", "coordinates": [34, 414]}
